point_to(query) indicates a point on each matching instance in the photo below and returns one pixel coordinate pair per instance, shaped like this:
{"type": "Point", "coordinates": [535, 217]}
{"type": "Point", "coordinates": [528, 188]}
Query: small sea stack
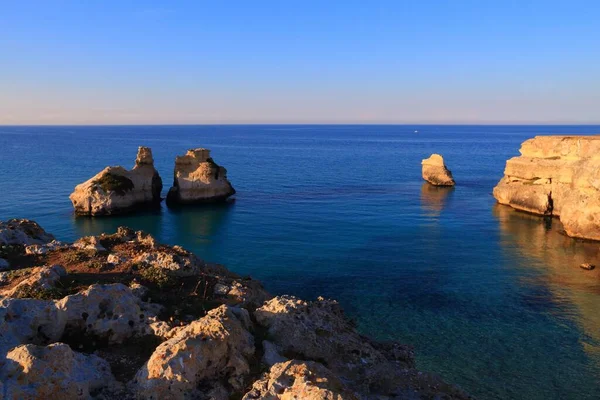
{"type": "Point", "coordinates": [556, 176]}
{"type": "Point", "coordinates": [116, 190]}
{"type": "Point", "coordinates": [198, 179]}
{"type": "Point", "coordinates": [435, 171]}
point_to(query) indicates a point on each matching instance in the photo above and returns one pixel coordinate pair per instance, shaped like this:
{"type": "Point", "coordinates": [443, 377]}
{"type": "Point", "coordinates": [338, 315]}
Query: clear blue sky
{"type": "Point", "coordinates": [287, 61]}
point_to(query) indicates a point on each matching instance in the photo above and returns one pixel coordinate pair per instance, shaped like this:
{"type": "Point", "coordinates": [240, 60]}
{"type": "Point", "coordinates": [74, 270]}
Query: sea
{"type": "Point", "coordinates": [491, 299]}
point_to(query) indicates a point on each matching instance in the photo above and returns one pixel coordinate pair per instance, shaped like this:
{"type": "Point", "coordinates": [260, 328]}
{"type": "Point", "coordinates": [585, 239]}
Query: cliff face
{"type": "Point", "coordinates": [116, 190]}
{"type": "Point", "coordinates": [198, 179]}
{"type": "Point", "coordinates": [560, 176]}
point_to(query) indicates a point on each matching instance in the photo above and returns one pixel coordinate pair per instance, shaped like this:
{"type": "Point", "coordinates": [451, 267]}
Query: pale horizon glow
{"type": "Point", "coordinates": [310, 62]}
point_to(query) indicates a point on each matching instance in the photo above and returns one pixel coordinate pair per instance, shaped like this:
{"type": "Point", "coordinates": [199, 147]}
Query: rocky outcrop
{"type": "Point", "coordinates": [558, 176]}
{"type": "Point", "coordinates": [163, 324]}
{"type": "Point", "coordinates": [319, 331]}
{"type": "Point", "coordinates": [198, 179]}
{"type": "Point", "coordinates": [22, 232]}
{"type": "Point", "coordinates": [52, 372]}
{"type": "Point", "coordinates": [435, 172]}
{"type": "Point", "coordinates": [212, 349]}
{"type": "Point", "coordinates": [40, 279]}
{"type": "Point", "coordinates": [307, 380]}
{"type": "Point", "coordinates": [116, 190]}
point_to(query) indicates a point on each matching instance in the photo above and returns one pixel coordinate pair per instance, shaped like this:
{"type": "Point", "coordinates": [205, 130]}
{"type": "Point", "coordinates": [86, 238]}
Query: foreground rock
{"type": "Point", "coordinates": [52, 372]}
{"type": "Point", "coordinates": [307, 380]}
{"type": "Point", "coordinates": [123, 316]}
{"type": "Point", "coordinates": [116, 190]}
{"type": "Point", "coordinates": [435, 171]}
{"type": "Point", "coordinates": [558, 176]}
{"type": "Point", "coordinates": [211, 350]}
{"type": "Point", "coordinates": [23, 232]}
{"type": "Point", "coordinates": [198, 179]}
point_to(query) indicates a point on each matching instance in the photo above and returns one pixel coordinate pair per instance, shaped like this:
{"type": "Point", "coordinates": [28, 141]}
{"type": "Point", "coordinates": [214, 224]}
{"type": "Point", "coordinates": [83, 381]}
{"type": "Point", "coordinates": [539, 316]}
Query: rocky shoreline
{"type": "Point", "coordinates": [122, 316]}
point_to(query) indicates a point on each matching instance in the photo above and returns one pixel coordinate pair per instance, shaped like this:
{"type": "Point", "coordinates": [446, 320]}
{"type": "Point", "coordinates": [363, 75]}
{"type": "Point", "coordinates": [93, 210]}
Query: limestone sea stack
{"type": "Point", "coordinates": [198, 179]}
{"type": "Point", "coordinates": [116, 190]}
{"type": "Point", "coordinates": [558, 176]}
{"type": "Point", "coordinates": [435, 171]}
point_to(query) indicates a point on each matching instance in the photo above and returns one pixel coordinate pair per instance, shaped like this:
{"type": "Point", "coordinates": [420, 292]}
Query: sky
{"type": "Point", "coordinates": [299, 61]}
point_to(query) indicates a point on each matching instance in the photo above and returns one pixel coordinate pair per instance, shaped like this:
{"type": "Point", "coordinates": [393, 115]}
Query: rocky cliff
{"type": "Point", "coordinates": [435, 172]}
{"type": "Point", "coordinates": [116, 190]}
{"type": "Point", "coordinates": [123, 316]}
{"type": "Point", "coordinates": [198, 179]}
{"type": "Point", "coordinates": [558, 176]}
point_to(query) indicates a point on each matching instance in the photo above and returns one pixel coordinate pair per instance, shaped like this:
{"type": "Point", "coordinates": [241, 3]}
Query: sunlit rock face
{"type": "Point", "coordinates": [116, 190]}
{"type": "Point", "coordinates": [435, 171]}
{"type": "Point", "coordinates": [198, 179]}
{"type": "Point", "coordinates": [560, 176]}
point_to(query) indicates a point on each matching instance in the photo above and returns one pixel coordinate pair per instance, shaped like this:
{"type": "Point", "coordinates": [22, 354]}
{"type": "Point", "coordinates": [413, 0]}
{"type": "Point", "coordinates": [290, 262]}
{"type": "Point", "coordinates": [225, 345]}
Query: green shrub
{"type": "Point", "coordinates": [115, 183]}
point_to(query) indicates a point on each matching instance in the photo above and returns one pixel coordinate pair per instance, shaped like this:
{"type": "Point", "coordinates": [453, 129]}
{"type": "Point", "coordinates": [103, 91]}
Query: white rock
{"type": "Point", "coordinates": [139, 186]}
{"type": "Point", "coordinates": [198, 179]}
{"type": "Point", "coordinates": [211, 348]}
{"type": "Point", "coordinates": [22, 232]}
{"type": "Point", "coordinates": [52, 372]}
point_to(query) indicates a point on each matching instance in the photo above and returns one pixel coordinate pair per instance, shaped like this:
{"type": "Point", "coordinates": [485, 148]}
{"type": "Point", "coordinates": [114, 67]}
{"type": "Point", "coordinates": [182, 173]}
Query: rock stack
{"type": "Point", "coordinates": [116, 190]}
{"type": "Point", "coordinates": [558, 176]}
{"type": "Point", "coordinates": [198, 179]}
{"type": "Point", "coordinates": [435, 171]}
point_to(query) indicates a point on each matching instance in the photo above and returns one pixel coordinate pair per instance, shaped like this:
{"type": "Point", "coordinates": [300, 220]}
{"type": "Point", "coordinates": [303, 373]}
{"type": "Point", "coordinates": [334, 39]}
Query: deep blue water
{"type": "Point", "coordinates": [491, 299]}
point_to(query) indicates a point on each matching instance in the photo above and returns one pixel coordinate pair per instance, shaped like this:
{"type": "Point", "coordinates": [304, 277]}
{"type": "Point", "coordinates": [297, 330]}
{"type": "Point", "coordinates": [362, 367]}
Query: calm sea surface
{"type": "Point", "coordinates": [492, 299]}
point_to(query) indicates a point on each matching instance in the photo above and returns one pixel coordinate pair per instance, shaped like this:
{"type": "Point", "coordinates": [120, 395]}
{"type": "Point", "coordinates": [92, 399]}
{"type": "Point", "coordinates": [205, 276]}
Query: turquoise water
{"type": "Point", "coordinates": [491, 299]}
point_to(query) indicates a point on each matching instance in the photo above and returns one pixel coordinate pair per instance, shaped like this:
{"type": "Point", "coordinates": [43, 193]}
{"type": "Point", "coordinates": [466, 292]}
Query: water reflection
{"type": "Point", "coordinates": [148, 221]}
{"type": "Point", "coordinates": [543, 242]}
{"type": "Point", "coordinates": [434, 198]}
{"type": "Point", "coordinates": [198, 224]}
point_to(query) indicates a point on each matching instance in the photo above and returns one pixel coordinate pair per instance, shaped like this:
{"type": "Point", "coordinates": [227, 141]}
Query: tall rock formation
{"type": "Point", "coordinates": [435, 171]}
{"type": "Point", "coordinates": [559, 176]}
{"type": "Point", "coordinates": [116, 190]}
{"type": "Point", "coordinates": [198, 179]}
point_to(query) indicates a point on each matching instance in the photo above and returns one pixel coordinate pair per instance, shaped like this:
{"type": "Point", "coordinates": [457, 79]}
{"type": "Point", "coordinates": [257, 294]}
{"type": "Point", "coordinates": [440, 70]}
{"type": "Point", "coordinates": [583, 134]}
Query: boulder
{"type": "Point", "coordinates": [52, 372]}
{"type": "Point", "coordinates": [212, 349]}
{"type": "Point", "coordinates": [435, 172]}
{"type": "Point", "coordinates": [22, 232]}
{"type": "Point", "coordinates": [26, 321]}
{"type": "Point", "coordinates": [112, 312]}
{"type": "Point", "coordinates": [4, 265]}
{"type": "Point", "coordinates": [556, 176]}
{"type": "Point", "coordinates": [198, 179]}
{"type": "Point", "coordinates": [116, 190]}
{"type": "Point", "coordinates": [306, 380]}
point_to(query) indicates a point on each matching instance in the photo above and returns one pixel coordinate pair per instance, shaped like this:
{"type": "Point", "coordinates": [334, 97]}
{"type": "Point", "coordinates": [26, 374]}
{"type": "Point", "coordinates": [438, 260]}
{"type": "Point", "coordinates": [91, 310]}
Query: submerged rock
{"type": "Point", "coordinates": [198, 179]}
{"type": "Point", "coordinates": [435, 171]}
{"type": "Point", "coordinates": [587, 266]}
{"type": "Point", "coordinates": [558, 176]}
{"type": "Point", "coordinates": [116, 190]}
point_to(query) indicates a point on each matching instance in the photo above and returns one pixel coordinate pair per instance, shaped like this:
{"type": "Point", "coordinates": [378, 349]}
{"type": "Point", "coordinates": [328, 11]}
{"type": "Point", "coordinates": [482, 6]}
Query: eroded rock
{"type": "Point", "coordinates": [112, 312]}
{"type": "Point", "coordinates": [215, 347]}
{"type": "Point", "coordinates": [117, 190]}
{"type": "Point", "coordinates": [29, 321]}
{"type": "Point", "coordinates": [23, 232]}
{"type": "Point", "coordinates": [52, 372]}
{"type": "Point", "coordinates": [306, 380]}
{"type": "Point", "coordinates": [559, 176]}
{"type": "Point", "coordinates": [198, 179]}
{"type": "Point", "coordinates": [435, 172]}
{"type": "Point", "coordinates": [40, 279]}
